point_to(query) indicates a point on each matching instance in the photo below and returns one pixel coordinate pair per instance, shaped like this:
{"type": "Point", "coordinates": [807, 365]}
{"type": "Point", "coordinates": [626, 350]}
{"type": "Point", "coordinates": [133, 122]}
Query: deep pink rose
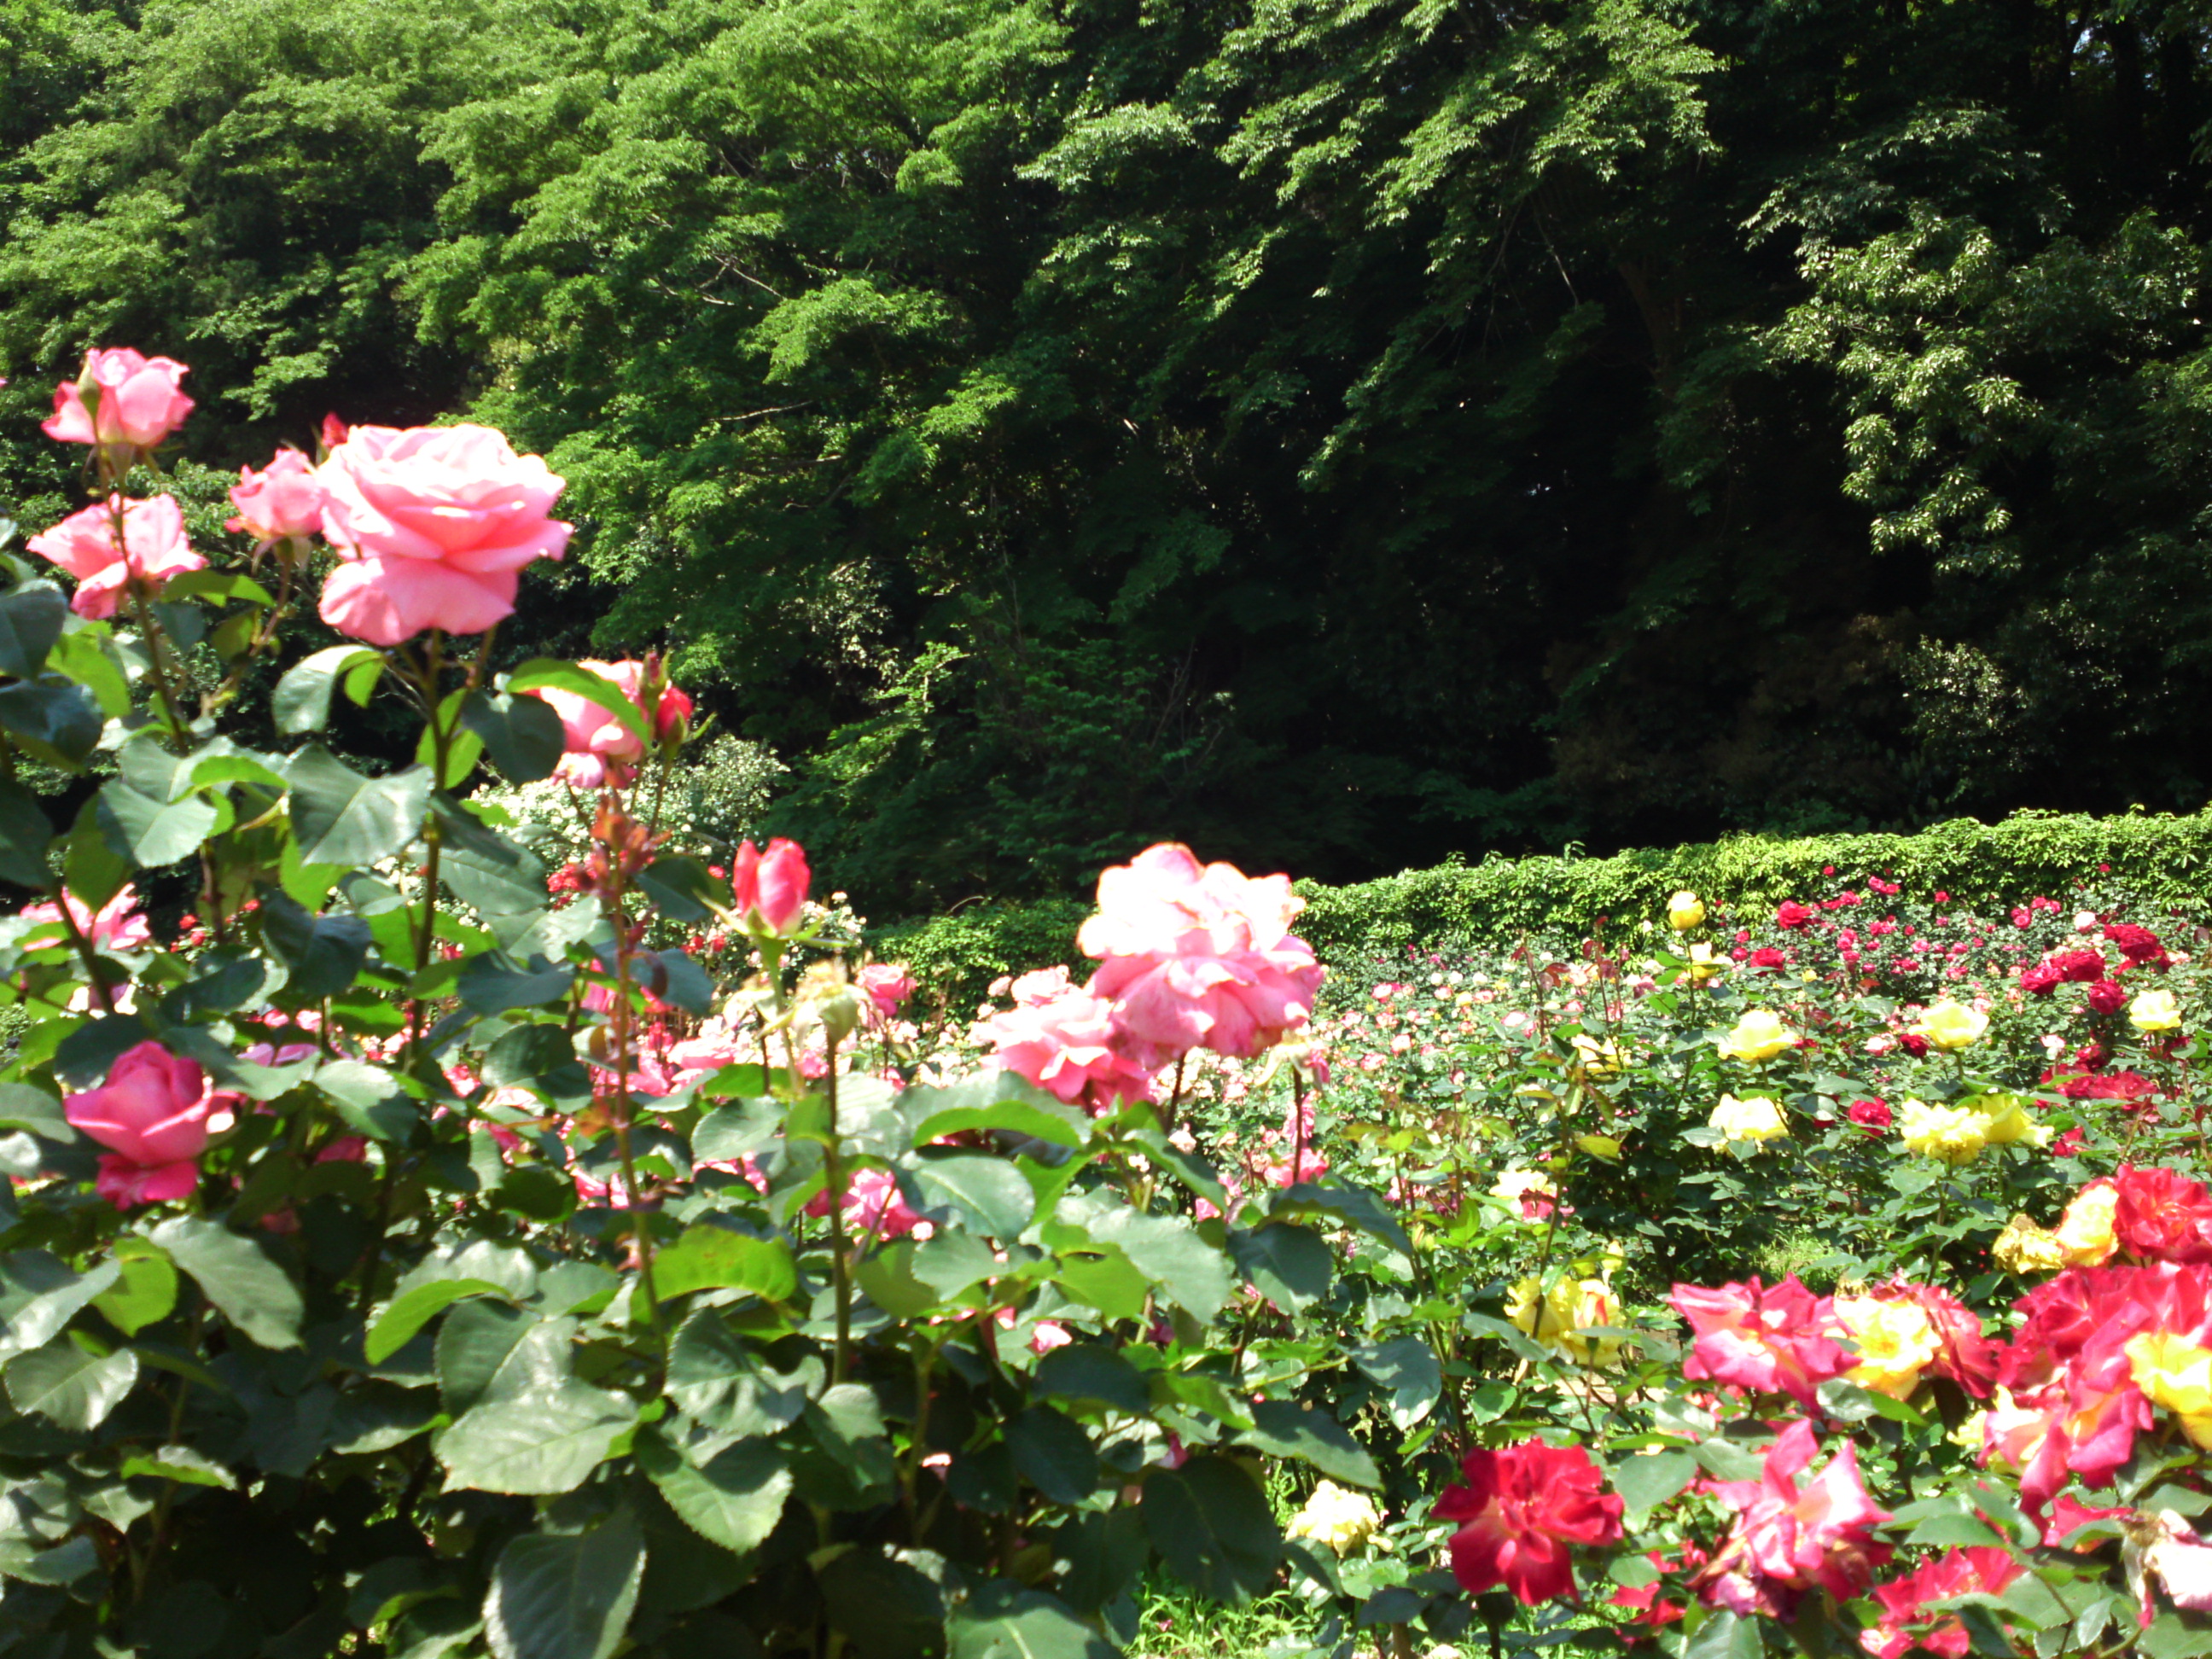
{"type": "Point", "coordinates": [157, 1112]}
{"type": "Point", "coordinates": [601, 749]}
{"type": "Point", "coordinates": [1200, 955]}
{"type": "Point", "coordinates": [1791, 1537]}
{"type": "Point", "coordinates": [1792, 913]}
{"type": "Point", "coordinates": [1872, 1115]}
{"type": "Point", "coordinates": [2041, 980]}
{"type": "Point", "coordinates": [1521, 1508]}
{"type": "Point", "coordinates": [872, 1204]}
{"type": "Point", "coordinates": [1768, 1339]}
{"type": "Point", "coordinates": [434, 525]}
{"type": "Point", "coordinates": [768, 889]}
{"type": "Point", "coordinates": [2107, 998]}
{"type": "Point", "coordinates": [154, 550]}
{"type": "Point", "coordinates": [1071, 1048]}
{"type": "Point", "coordinates": [118, 925]}
{"type": "Point", "coordinates": [140, 403]}
{"type": "Point", "coordinates": [285, 498]}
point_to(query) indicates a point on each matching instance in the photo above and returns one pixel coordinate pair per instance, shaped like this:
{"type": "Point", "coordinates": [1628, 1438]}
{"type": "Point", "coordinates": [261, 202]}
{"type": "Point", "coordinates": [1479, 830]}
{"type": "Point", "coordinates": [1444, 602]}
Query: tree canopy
{"type": "Point", "coordinates": [1334, 432]}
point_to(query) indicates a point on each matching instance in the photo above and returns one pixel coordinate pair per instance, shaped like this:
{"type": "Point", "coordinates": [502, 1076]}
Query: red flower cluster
{"type": "Point", "coordinates": [1792, 1535]}
{"type": "Point", "coordinates": [1520, 1508]}
{"type": "Point", "coordinates": [1985, 1570]}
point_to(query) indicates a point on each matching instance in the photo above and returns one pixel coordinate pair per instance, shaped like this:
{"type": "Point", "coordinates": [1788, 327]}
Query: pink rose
{"type": "Point", "coordinates": [888, 985]}
{"type": "Point", "coordinates": [285, 498]}
{"type": "Point", "coordinates": [1072, 1049]}
{"type": "Point", "coordinates": [118, 925]}
{"type": "Point", "coordinates": [434, 525]}
{"type": "Point", "coordinates": [154, 550]}
{"type": "Point", "coordinates": [1199, 956]}
{"type": "Point", "coordinates": [601, 749]}
{"type": "Point", "coordinates": [1790, 1537]}
{"type": "Point", "coordinates": [1768, 1339]}
{"type": "Point", "coordinates": [139, 402]}
{"type": "Point", "coordinates": [768, 890]}
{"type": "Point", "coordinates": [157, 1112]}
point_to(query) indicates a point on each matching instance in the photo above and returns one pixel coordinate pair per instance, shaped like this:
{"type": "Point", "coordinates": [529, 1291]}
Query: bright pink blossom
{"type": "Point", "coordinates": [434, 525]}
{"type": "Point", "coordinates": [1767, 1339]}
{"type": "Point", "coordinates": [1792, 1536]}
{"type": "Point", "coordinates": [601, 749]}
{"type": "Point", "coordinates": [154, 550]}
{"type": "Point", "coordinates": [157, 1113]}
{"type": "Point", "coordinates": [118, 925]}
{"type": "Point", "coordinates": [2161, 1215]}
{"type": "Point", "coordinates": [140, 400]}
{"type": "Point", "coordinates": [888, 985]}
{"type": "Point", "coordinates": [1072, 1049]}
{"type": "Point", "coordinates": [768, 889]}
{"type": "Point", "coordinates": [285, 498]}
{"type": "Point", "coordinates": [1978, 1570]}
{"type": "Point", "coordinates": [1198, 955]}
{"type": "Point", "coordinates": [2107, 997]}
{"type": "Point", "coordinates": [1521, 1508]}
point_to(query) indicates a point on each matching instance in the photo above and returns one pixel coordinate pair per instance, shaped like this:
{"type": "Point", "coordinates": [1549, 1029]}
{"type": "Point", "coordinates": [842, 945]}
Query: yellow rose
{"type": "Point", "coordinates": [1758, 1036]}
{"type": "Point", "coordinates": [2085, 1231]}
{"type": "Point", "coordinates": [1340, 1519]}
{"type": "Point", "coordinates": [2176, 1373]}
{"type": "Point", "coordinates": [1949, 1026]}
{"type": "Point", "coordinates": [1950, 1135]}
{"type": "Point", "coordinates": [1558, 1316]}
{"type": "Point", "coordinates": [1517, 1187]}
{"type": "Point", "coordinates": [2154, 1011]}
{"type": "Point", "coordinates": [1755, 1118]}
{"type": "Point", "coordinates": [1896, 1342]}
{"type": "Point", "coordinates": [2008, 1125]}
{"type": "Point", "coordinates": [1685, 911]}
{"type": "Point", "coordinates": [1704, 964]}
{"type": "Point", "coordinates": [2024, 1247]}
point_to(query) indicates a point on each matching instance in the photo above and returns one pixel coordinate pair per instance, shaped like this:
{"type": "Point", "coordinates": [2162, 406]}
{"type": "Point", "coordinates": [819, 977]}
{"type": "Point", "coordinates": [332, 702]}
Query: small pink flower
{"type": "Point", "coordinates": [139, 398]}
{"type": "Point", "coordinates": [154, 550]}
{"type": "Point", "coordinates": [157, 1113]}
{"type": "Point", "coordinates": [118, 925]}
{"type": "Point", "coordinates": [888, 985]}
{"type": "Point", "coordinates": [768, 890]}
{"type": "Point", "coordinates": [285, 498]}
{"type": "Point", "coordinates": [1049, 1334]}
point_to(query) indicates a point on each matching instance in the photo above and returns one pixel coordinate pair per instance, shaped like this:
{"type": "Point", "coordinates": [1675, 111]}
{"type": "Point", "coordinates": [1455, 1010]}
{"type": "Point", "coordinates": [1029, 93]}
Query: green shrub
{"type": "Point", "coordinates": [2157, 860]}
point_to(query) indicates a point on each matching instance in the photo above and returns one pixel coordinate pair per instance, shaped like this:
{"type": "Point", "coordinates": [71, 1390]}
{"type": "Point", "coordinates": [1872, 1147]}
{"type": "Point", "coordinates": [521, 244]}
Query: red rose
{"type": "Point", "coordinates": [2106, 998]}
{"type": "Point", "coordinates": [1914, 1044]}
{"type": "Point", "coordinates": [1792, 914]}
{"type": "Point", "coordinates": [1521, 1508]}
{"type": "Point", "coordinates": [2162, 1216]}
{"type": "Point", "coordinates": [1872, 1115]}
{"type": "Point", "coordinates": [2136, 943]}
{"type": "Point", "coordinates": [1769, 959]}
{"type": "Point", "coordinates": [2080, 967]}
{"type": "Point", "coordinates": [2041, 980]}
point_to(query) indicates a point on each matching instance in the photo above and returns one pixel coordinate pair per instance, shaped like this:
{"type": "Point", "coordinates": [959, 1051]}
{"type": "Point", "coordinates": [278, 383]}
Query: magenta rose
{"type": "Point", "coordinates": [156, 1113]}
{"type": "Point", "coordinates": [434, 525]}
{"type": "Point", "coordinates": [138, 400]}
{"type": "Point", "coordinates": [154, 550]}
{"type": "Point", "coordinates": [285, 498]}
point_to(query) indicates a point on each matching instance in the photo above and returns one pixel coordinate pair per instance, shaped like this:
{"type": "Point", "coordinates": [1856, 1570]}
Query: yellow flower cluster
{"type": "Point", "coordinates": [1896, 1342]}
{"type": "Point", "coordinates": [1957, 1134]}
{"type": "Point", "coordinates": [1757, 1036]}
{"type": "Point", "coordinates": [2153, 1011]}
{"type": "Point", "coordinates": [2083, 1238]}
{"type": "Point", "coordinates": [1755, 1119]}
{"type": "Point", "coordinates": [1951, 1025]}
{"type": "Point", "coordinates": [1342, 1520]}
{"type": "Point", "coordinates": [1558, 1317]}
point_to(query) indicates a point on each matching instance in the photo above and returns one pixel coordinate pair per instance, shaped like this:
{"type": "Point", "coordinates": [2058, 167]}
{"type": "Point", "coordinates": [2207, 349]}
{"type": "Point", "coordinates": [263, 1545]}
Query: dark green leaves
{"type": "Point", "coordinates": [522, 735]}
{"type": "Point", "coordinates": [31, 618]}
{"type": "Point", "coordinates": [1211, 1523]}
{"type": "Point", "coordinates": [344, 818]}
{"type": "Point", "coordinates": [149, 831]}
{"type": "Point", "coordinates": [25, 835]}
{"type": "Point", "coordinates": [75, 1388]}
{"type": "Point", "coordinates": [1289, 1428]}
{"type": "Point", "coordinates": [536, 1428]}
{"type": "Point", "coordinates": [1002, 1621]}
{"type": "Point", "coordinates": [52, 718]}
{"type": "Point", "coordinates": [565, 1597]}
{"type": "Point", "coordinates": [321, 953]}
{"type": "Point", "coordinates": [734, 1499]}
{"type": "Point", "coordinates": [301, 702]}
{"type": "Point", "coordinates": [237, 1275]}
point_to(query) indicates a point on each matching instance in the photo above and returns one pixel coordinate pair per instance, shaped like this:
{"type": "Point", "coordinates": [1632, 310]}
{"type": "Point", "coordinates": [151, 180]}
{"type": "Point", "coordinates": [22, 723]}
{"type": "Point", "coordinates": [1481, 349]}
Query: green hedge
{"type": "Point", "coordinates": [2160, 862]}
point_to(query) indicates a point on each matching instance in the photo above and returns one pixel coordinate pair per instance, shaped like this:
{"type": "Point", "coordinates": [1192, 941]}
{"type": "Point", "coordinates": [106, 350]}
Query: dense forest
{"type": "Point", "coordinates": [1336, 432]}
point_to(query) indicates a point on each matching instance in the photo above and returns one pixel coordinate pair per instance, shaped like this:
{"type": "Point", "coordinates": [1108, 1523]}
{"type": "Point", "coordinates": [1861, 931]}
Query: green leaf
{"type": "Point", "coordinates": [710, 1257]}
{"type": "Point", "coordinates": [1193, 1273]}
{"type": "Point", "coordinates": [734, 1499]}
{"type": "Point", "coordinates": [342, 818]}
{"type": "Point", "coordinates": [990, 1193]}
{"type": "Point", "coordinates": [474, 1342]}
{"type": "Point", "coordinates": [25, 834]}
{"type": "Point", "coordinates": [1353, 1206]}
{"type": "Point", "coordinates": [1212, 1525]}
{"type": "Point", "coordinates": [237, 1275]}
{"type": "Point", "coordinates": [1725, 1635]}
{"type": "Point", "coordinates": [493, 876]}
{"type": "Point", "coordinates": [1089, 1372]}
{"type": "Point", "coordinates": [2170, 1636]}
{"type": "Point", "coordinates": [713, 1377]}
{"type": "Point", "coordinates": [301, 701]}
{"type": "Point", "coordinates": [22, 1107]}
{"type": "Point", "coordinates": [494, 982]}
{"type": "Point", "coordinates": [541, 671]}
{"type": "Point", "coordinates": [74, 1388]}
{"type": "Point", "coordinates": [369, 1098]}
{"type": "Point", "coordinates": [147, 1292]}
{"type": "Point", "coordinates": [151, 833]}
{"type": "Point", "coordinates": [39, 1295]}
{"type": "Point", "coordinates": [522, 734]}
{"type": "Point", "coordinates": [322, 954]}
{"type": "Point", "coordinates": [410, 1310]}
{"type": "Point", "coordinates": [181, 1464]}
{"type": "Point", "coordinates": [53, 718]}
{"type": "Point", "coordinates": [1001, 1101]}
{"type": "Point", "coordinates": [1406, 1366]}
{"type": "Point", "coordinates": [537, 1430]}
{"type": "Point", "coordinates": [31, 619]}
{"type": "Point", "coordinates": [222, 587]}
{"type": "Point", "coordinates": [682, 889]}
{"type": "Point", "coordinates": [567, 1596]}
{"type": "Point", "coordinates": [1290, 1265]}
{"type": "Point", "coordinates": [1646, 1481]}
{"type": "Point", "coordinates": [1053, 1454]}
{"type": "Point", "coordinates": [1290, 1428]}
{"type": "Point", "coordinates": [88, 657]}
{"type": "Point", "coordinates": [1002, 1621]}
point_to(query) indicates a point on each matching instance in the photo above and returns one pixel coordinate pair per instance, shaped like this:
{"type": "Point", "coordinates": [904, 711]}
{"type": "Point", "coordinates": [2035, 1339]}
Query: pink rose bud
{"type": "Point", "coordinates": [770, 888]}
{"type": "Point", "coordinates": [154, 550]}
{"type": "Point", "coordinates": [283, 499]}
{"type": "Point", "coordinates": [118, 925]}
{"type": "Point", "coordinates": [138, 401]}
{"type": "Point", "coordinates": [433, 526]}
{"type": "Point", "coordinates": [156, 1112]}
{"type": "Point", "coordinates": [333, 433]}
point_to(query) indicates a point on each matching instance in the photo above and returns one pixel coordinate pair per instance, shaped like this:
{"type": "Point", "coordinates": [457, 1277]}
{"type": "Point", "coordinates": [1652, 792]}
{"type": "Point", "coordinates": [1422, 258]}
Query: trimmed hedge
{"type": "Point", "coordinates": [2161, 862]}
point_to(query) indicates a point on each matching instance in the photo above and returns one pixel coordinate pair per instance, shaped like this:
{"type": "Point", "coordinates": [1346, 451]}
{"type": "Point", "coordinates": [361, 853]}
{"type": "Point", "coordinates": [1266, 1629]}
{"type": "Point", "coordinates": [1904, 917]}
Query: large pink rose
{"type": "Point", "coordinates": [1769, 1338]}
{"type": "Point", "coordinates": [434, 525]}
{"type": "Point", "coordinates": [1198, 955]}
{"type": "Point", "coordinates": [1071, 1048]}
{"type": "Point", "coordinates": [154, 550]}
{"type": "Point", "coordinates": [1792, 1535]}
{"type": "Point", "coordinates": [118, 925]}
{"type": "Point", "coordinates": [138, 398]}
{"type": "Point", "coordinates": [156, 1111]}
{"type": "Point", "coordinates": [285, 498]}
{"type": "Point", "coordinates": [601, 749]}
